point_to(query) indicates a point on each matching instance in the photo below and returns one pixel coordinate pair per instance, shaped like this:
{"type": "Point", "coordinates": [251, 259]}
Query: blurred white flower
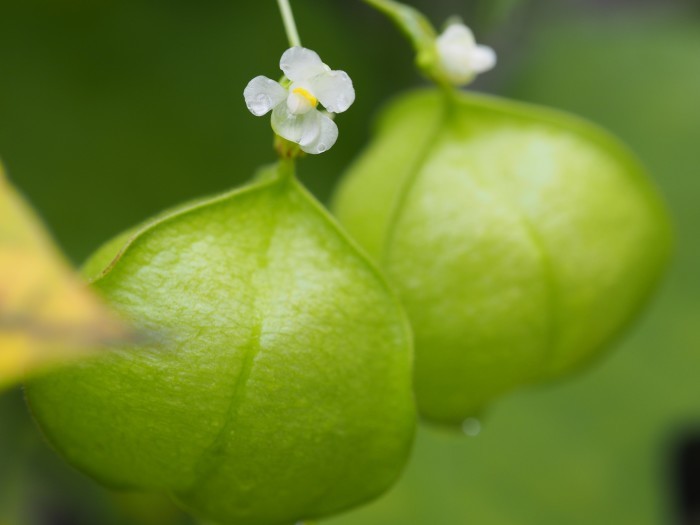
{"type": "Point", "coordinates": [460, 57]}
{"type": "Point", "coordinates": [294, 104]}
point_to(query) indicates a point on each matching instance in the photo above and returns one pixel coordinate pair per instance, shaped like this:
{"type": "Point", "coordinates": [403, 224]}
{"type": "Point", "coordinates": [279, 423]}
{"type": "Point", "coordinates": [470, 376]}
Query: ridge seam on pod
{"type": "Point", "coordinates": [548, 276]}
{"type": "Point", "coordinates": [410, 179]}
{"type": "Point", "coordinates": [207, 465]}
{"type": "Point", "coordinates": [149, 225]}
{"type": "Point", "coordinates": [308, 200]}
{"type": "Point", "coordinates": [550, 282]}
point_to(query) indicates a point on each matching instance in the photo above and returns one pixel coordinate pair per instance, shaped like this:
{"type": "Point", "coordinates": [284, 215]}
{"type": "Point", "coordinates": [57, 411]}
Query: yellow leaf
{"type": "Point", "coordinates": [47, 314]}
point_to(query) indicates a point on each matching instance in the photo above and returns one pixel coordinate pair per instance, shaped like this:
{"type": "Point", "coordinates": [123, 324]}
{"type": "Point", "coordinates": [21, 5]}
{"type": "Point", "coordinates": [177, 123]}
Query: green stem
{"type": "Point", "coordinates": [290, 25]}
{"type": "Point", "coordinates": [287, 150]}
{"type": "Point", "coordinates": [422, 35]}
{"type": "Point", "coordinates": [382, 5]}
{"type": "Point", "coordinates": [409, 20]}
{"type": "Point", "coordinates": [286, 168]}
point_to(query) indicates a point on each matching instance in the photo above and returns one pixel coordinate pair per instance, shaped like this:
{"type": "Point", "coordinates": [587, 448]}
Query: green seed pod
{"type": "Point", "coordinates": [277, 384]}
{"type": "Point", "coordinates": [521, 240]}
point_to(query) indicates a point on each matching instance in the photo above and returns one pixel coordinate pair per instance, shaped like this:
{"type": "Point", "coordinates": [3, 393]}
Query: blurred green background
{"type": "Point", "coordinates": [111, 110]}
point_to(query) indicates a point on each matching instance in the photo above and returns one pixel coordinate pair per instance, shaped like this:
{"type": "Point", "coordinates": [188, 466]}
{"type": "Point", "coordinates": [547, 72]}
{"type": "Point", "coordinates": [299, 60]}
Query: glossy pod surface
{"type": "Point", "coordinates": [276, 386]}
{"type": "Point", "coordinates": [521, 240]}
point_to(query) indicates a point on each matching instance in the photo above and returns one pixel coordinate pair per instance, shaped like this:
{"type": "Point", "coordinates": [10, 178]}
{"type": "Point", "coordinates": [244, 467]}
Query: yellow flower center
{"type": "Point", "coordinates": [308, 96]}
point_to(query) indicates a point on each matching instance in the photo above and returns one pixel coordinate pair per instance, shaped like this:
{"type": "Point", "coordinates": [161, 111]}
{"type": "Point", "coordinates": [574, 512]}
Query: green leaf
{"type": "Point", "coordinates": [521, 241]}
{"type": "Point", "coordinates": [47, 316]}
{"type": "Point", "coordinates": [278, 384]}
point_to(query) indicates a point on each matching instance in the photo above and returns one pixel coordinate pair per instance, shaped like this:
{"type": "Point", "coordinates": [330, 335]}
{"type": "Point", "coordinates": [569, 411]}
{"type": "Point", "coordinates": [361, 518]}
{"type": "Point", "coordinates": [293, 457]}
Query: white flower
{"type": "Point", "coordinates": [295, 114]}
{"type": "Point", "coordinates": [460, 57]}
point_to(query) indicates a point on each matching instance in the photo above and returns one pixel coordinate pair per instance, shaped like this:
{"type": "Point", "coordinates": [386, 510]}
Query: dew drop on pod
{"type": "Point", "coordinates": [521, 240]}
{"type": "Point", "coordinates": [274, 384]}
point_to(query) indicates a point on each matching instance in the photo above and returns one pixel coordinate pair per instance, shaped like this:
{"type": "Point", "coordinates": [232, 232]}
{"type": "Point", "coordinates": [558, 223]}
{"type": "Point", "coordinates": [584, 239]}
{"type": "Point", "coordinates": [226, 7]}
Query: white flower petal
{"type": "Point", "coordinates": [262, 94]}
{"type": "Point", "coordinates": [302, 129]}
{"type": "Point", "coordinates": [328, 134]}
{"type": "Point", "coordinates": [299, 63]}
{"type": "Point", "coordinates": [334, 90]}
{"type": "Point", "coordinates": [457, 35]}
{"type": "Point", "coordinates": [460, 57]}
{"type": "Point", "coordinates": [457, 68]}
{"type": "Point", "coordinates": [483, 59]}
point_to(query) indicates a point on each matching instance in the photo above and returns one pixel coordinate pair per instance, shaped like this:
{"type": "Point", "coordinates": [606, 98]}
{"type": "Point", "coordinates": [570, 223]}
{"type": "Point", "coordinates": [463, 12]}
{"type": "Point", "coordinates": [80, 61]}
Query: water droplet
{"type": "Point", "coordinates": [322, 147]}
{"type": "Point", "coordinates": [260, 104]}
{"type": "Point", "coordinates": [471, 427]}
